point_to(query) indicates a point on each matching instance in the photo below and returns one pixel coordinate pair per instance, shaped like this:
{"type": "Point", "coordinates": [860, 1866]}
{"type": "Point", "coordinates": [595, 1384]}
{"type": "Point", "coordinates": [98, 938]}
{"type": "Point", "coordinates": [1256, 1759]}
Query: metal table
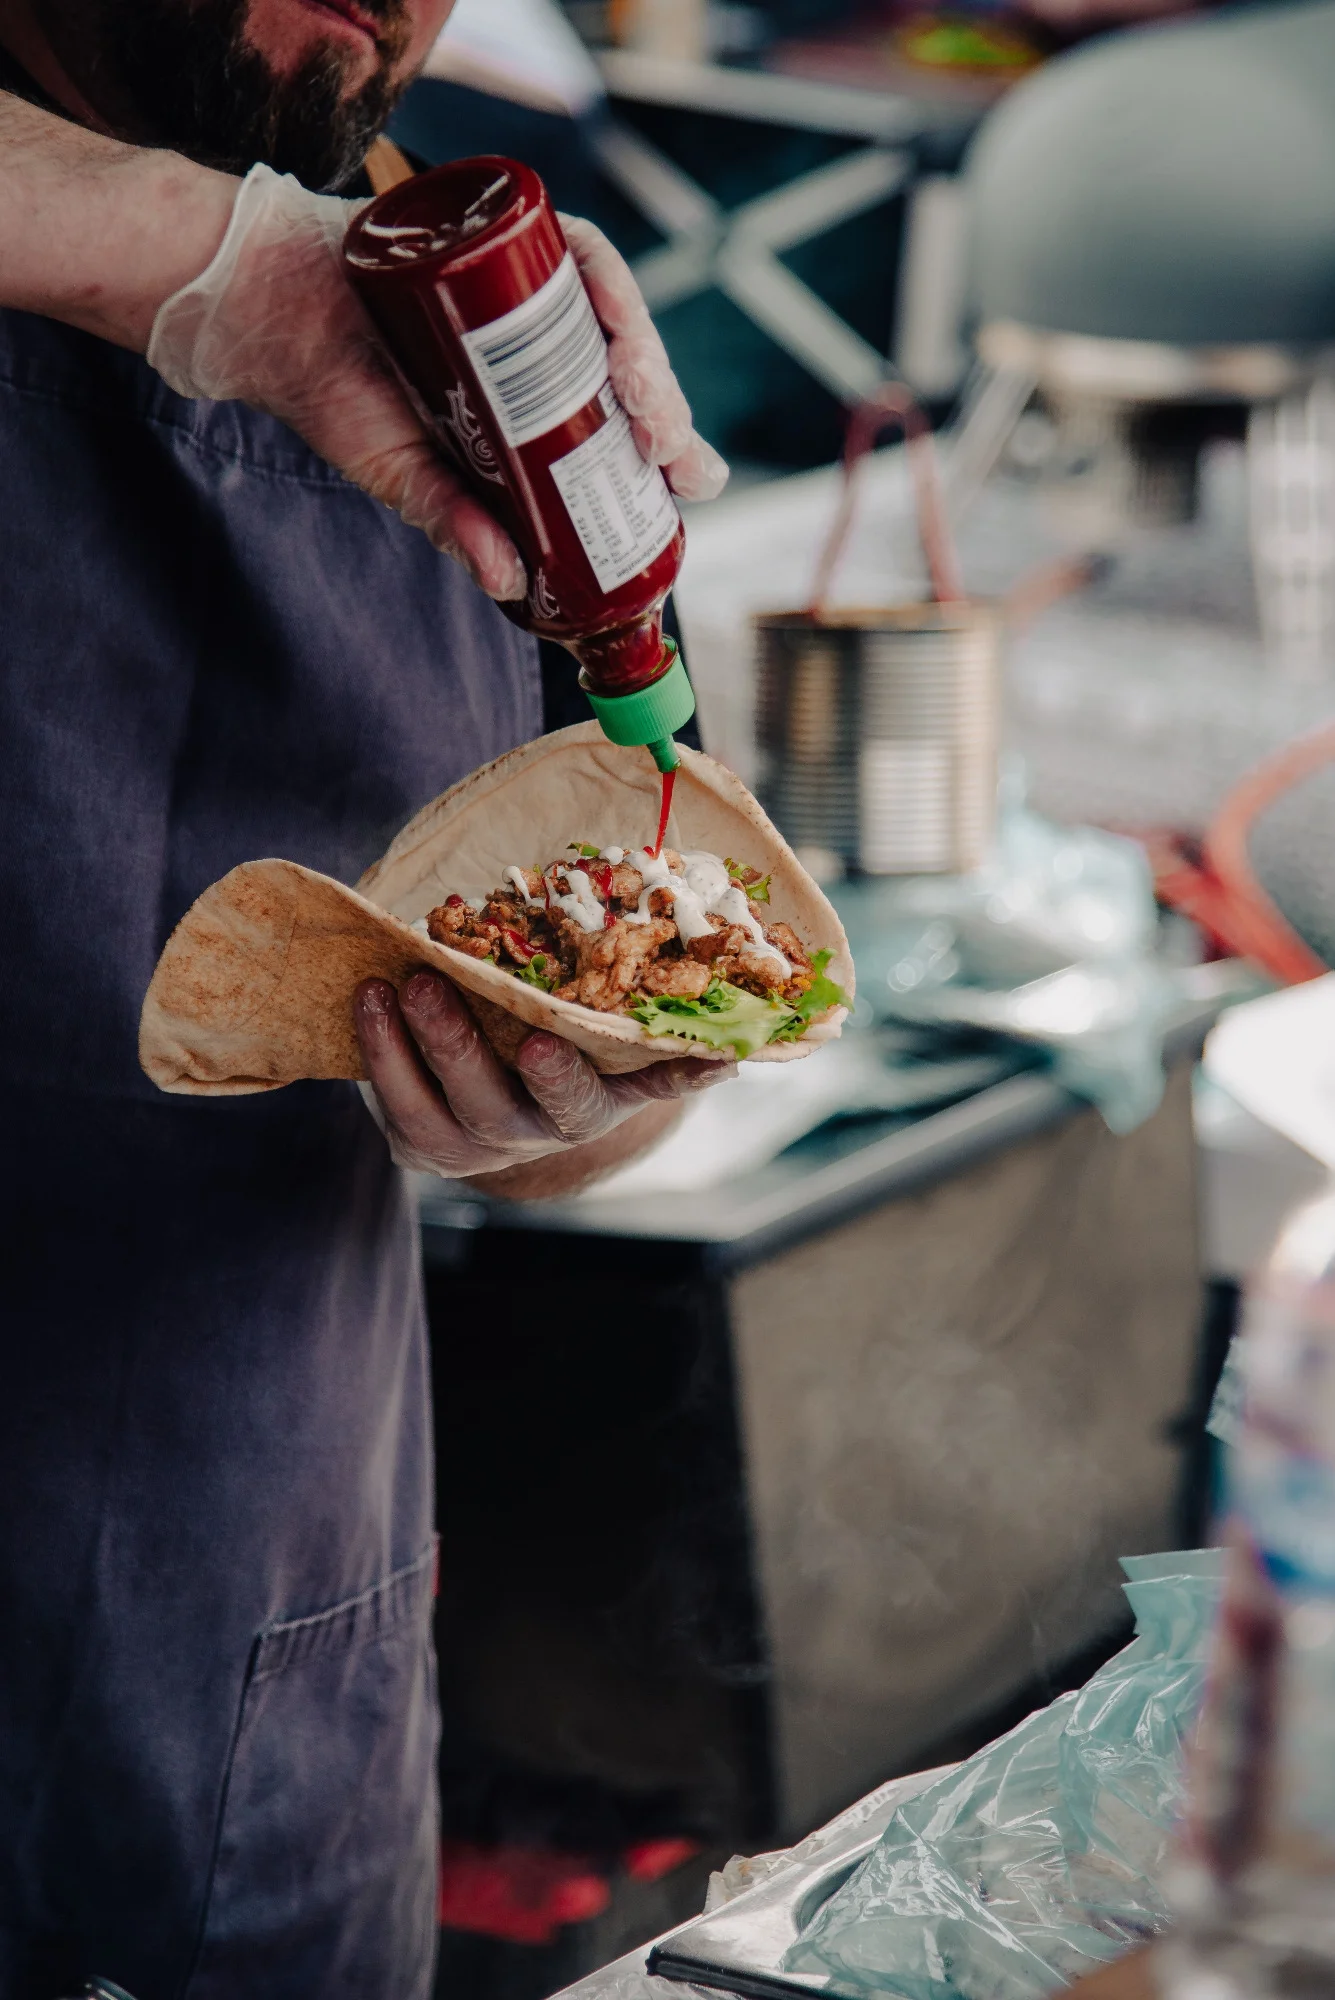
{"type": "Point", "coordinates": [705, 1537]}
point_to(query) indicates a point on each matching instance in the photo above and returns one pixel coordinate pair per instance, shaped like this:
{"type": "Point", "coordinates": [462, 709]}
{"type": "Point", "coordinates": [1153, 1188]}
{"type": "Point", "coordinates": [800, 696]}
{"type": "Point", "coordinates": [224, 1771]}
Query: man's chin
{"type": "Point", "coordinates": [289, 34]}
{"type": "Point", "coordinates": [234, 82]}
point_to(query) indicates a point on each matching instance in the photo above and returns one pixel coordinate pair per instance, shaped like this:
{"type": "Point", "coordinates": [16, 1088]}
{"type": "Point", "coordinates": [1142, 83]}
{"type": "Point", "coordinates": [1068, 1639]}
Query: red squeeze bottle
{"type": "Point", "coordinates": [471, 283]}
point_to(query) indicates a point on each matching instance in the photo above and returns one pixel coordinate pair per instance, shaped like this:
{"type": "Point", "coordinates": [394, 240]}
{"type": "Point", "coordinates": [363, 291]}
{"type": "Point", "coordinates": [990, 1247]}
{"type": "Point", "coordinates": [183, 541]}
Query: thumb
{"type": "Point", "coordinates": [412, 479]}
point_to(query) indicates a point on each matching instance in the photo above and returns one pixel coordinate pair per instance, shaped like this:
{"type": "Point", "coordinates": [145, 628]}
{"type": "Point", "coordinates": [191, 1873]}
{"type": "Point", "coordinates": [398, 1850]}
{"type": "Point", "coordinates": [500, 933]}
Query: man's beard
{"type": "Point", "coordinates": [180, 73]}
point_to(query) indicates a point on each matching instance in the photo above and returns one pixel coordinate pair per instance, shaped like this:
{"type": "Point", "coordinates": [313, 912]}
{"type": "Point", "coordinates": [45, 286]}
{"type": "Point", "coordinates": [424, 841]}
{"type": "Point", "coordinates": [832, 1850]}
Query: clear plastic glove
{"type": "Point", "coordinates": [450, 1108]}
{"type": "Point", "coordinates": [641, 373]}
{"type": "Point", "coordinates": [273, 322]}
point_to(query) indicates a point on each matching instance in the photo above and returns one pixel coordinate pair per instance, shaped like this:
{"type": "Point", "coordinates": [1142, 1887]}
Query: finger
{"type": "Point", "coordinates": [468, 533]}
{"type": "Point", "coordinates": [651, 396]}
{"type": "Point", "coordinates": [667, 1080]}
{"type": "Point", "coordinates": [413, 480]}
{"type": "Point", "coordinates": [488, 1102]}
{"type": "Point", "coordinates": [608, 279]}
{"type": "Point", "coordinates": [366, 426]}
{"type": "Point", "coordinates": [699, 473]}
{"type": "Point", "coordinates": [641, 373]}
{"type": "Point", "coordinates": [574, 1098]}
{"type": "Point", "coordinates": [417, 1115]}
{"type": "Point", "coordinates": [663, 434]}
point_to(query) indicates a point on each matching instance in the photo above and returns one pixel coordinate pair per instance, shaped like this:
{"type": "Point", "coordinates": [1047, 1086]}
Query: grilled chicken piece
{"type": "Point", "coordinates": [509, 909]}
{"type": "Point", "coordinates": [455, 924]}
{"type": "Point", "coordinates": [790, 944]}
{"type": "Point", "coordinates": [726, 937]}
{"type": "Point", "coordinates": [611, 961]}
{"type": "Point", "coordinates": [627, 884]}
{"type": "Point", "coordinates": [680, 978]}
{"type": "Point", "coordinates": [750, 968]}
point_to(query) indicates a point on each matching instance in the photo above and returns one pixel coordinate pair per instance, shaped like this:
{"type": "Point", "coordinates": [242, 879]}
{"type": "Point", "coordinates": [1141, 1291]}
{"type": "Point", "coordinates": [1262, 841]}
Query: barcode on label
{"type": "Point", "coordinates": [543, 361]}
{"type": "Point", "coordinates": [619, 504]}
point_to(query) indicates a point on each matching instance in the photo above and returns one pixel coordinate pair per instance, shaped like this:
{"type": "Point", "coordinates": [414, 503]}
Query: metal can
{"type": "Point", "coordinates": [878, 734]}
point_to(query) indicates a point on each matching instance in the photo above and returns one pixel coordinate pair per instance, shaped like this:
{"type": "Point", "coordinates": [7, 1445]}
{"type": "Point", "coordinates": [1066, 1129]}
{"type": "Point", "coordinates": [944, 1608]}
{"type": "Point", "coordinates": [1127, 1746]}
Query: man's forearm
{"type": "Point", "coordinates": [97, 233]}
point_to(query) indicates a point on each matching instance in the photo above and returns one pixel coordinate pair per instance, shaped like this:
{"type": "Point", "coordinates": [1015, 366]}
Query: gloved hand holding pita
{"type": "Point", "coordinates": [449, 1107]}
{"type": "Point", "coordinates": [498, 1038]}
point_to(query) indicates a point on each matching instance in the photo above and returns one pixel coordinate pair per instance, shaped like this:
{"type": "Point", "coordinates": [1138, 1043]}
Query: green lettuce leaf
{"type": "Point", "coordinates": [819, 996]}
{"type": "Point", "coordinates": [728, 1018]}
{"type": "Point", "coordinates": [724, 1016]}
{"type": "Point", "coordinates": [535, 973]}
{"type": "Point", "coordinates": [757, 892]}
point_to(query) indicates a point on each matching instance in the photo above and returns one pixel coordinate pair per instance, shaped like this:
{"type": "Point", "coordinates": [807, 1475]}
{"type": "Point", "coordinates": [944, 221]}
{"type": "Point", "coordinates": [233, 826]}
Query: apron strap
{"type": "Point", "coordinates": [386, 166]}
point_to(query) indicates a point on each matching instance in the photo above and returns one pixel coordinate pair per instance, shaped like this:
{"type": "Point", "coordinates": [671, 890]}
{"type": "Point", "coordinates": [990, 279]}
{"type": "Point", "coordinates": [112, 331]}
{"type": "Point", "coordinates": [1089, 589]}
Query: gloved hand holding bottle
{"type": "Point", "coordinates": [235, 289]}
{"type": "Point", "coordinates": [273, 321]}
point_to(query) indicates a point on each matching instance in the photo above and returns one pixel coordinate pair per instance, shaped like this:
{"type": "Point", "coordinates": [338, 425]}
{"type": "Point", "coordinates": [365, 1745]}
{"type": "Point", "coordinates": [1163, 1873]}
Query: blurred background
{"type": "Point", "coordinates": [927, 1338]}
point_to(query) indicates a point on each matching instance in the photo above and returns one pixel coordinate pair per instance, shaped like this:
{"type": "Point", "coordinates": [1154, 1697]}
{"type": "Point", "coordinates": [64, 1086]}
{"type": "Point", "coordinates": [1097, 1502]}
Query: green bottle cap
{"type": "Point", "coordinates": [649, 716]}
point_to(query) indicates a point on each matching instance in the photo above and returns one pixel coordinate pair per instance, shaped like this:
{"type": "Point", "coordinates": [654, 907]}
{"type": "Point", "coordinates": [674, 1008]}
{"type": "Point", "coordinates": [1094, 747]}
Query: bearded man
{"type": "Point", "coordinates": [220, 637]}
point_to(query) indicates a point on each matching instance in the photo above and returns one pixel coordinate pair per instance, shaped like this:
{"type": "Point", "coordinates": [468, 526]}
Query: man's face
{"type": "Point", "coordinates": [302, 84]}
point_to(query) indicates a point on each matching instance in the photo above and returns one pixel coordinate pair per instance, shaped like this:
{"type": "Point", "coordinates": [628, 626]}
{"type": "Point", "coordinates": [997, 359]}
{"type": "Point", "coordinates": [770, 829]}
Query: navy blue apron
{"type": "Point", "coordinates": [217, 1703]}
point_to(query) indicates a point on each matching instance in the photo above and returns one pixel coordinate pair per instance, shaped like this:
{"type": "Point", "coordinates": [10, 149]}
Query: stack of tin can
{"type": "Point", "coordinates": [878, 729]}
{"type": "Point", "coordinates": [878, 734]}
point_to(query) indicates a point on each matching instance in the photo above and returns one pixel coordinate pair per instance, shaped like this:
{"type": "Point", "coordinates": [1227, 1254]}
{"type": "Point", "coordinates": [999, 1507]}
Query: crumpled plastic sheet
{"type": "Point", "coordinates": [749, 1871]}
{"type": "Point", "coordinates": [1043, 1855]}
{"type": "Point", "coordinates": [626, 1979]}
{"type": "Point", "coordinates": [1053, 940]}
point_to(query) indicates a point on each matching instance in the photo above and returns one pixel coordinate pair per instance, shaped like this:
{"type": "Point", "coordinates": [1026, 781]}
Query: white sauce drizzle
{"type": "Point", "coordinates": [582, 904]}
{"type": "Point", "coordinates": [704, 888]}
{"type": "Point", "coordinates": [519, 880]}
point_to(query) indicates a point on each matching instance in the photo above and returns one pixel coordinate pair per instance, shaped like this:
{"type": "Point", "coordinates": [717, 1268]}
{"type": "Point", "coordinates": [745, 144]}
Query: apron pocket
{"type": "Point", "coordinates": [323, 1878]}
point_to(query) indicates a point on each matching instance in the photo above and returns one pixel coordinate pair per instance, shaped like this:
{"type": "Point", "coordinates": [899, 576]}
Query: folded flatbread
{"type": "Point", "coordinates": [254, 988]}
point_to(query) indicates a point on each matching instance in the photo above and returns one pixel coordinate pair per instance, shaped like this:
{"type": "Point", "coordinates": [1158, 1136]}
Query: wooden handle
{"type": "Point", "coordinates": [386, 166]}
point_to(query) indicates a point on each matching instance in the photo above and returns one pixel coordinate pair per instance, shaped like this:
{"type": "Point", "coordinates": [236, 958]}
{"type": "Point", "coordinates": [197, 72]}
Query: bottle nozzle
{"type": "Point", "coordinates": [651, 714]}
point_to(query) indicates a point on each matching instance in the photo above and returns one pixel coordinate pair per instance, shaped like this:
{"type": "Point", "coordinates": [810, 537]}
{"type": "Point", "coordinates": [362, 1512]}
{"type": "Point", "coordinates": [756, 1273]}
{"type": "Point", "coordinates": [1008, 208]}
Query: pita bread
{"type": "Point", "coordinates": [255, 986]}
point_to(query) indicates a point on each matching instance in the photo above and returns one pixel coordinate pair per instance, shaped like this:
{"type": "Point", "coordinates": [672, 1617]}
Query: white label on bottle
{"type": "Point", "coordinates": [620, 504]}
{"type": "Point", "coordinates": [544, 361]}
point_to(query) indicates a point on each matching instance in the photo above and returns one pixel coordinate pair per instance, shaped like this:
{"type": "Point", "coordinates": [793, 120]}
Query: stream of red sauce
{"type": "Point", "coordinates": [669, 780]}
